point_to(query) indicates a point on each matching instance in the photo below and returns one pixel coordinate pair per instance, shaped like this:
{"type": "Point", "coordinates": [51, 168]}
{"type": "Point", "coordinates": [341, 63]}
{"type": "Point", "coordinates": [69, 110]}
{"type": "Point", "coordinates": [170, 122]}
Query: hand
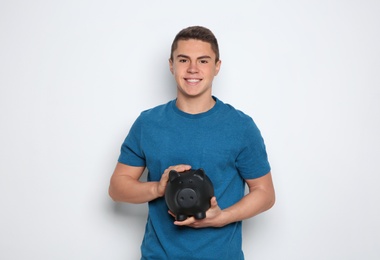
{"type": "Point", "coordinates": [161, 185]}
{"type": "Point", "coordinates": [214, 218]}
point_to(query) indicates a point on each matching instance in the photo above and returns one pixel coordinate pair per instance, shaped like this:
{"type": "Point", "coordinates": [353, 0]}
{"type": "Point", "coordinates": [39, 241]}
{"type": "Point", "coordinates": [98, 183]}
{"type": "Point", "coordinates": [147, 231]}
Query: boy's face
{"type": "Point", "coordinates": [194, 68]}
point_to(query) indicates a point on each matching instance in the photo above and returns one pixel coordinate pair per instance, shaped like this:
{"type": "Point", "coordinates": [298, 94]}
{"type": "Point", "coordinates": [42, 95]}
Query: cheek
{"type": "Point", "coordinates": [211, 72]}
{"type": "Point", "coordinates": [177, 72]}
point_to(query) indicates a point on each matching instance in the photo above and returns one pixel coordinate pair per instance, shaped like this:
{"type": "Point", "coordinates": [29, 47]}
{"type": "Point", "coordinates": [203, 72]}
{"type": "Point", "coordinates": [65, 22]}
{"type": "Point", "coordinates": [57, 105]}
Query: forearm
{"type": "Point", "coordinates": [260, 198]}
{"type": "Point", "coordinates": [257, 201]}
{"type": "Point", "coordinates": [125, 184]}
{"type": "Point", "coordinates": [249, 206]}
{"type": "Point", "coordinates": [127, 189]}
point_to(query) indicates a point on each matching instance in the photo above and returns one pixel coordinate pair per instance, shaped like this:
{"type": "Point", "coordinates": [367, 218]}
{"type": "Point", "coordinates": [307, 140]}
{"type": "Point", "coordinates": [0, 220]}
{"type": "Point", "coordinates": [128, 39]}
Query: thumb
{"type": "Point", "coordinates": [213, 202]}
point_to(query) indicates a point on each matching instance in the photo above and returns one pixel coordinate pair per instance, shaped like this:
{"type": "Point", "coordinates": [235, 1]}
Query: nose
{"type": "Point", "coordinates": [193, 68]}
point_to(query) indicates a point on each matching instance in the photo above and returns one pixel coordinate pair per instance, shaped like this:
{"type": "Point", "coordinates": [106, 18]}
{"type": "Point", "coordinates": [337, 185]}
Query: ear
{"type": "Point", "coordinates": [171, 66]}
{"type": "Point", "coordinates": [217, 67]}
{"type": "Point", "coordinates": [200, 173]}
{"type": "Point", "coordinates": [173, 175]}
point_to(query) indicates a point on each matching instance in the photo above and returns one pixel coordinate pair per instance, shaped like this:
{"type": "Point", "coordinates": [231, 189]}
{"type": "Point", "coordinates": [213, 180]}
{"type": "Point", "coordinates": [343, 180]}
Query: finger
{"type": "Point", "coordinates": [181, 167]}
{"type": "Point", "coordinates": [186, 222]}
{"type": "Point", "coordinates": [213, 202]}
{"type": "Point", "coordinates": [165, 176]}
{"type": "Point", "coordinates": [171, 213]}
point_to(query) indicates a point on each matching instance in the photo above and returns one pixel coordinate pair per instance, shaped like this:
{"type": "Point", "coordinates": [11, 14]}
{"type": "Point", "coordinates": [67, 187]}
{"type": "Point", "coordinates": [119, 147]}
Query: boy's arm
{"type": "Point", "coordinates": [125, 184]}
{"type": "Point", "coordinates": [260, 198]}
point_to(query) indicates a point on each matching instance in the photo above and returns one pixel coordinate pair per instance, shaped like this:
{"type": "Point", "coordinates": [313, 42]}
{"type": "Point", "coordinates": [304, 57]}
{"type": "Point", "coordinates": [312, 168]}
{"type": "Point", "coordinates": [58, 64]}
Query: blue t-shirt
{"type": "Point", "coordinates": [223, 141]}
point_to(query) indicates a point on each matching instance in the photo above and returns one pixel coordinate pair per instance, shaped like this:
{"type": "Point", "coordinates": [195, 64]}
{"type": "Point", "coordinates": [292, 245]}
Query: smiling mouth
{"type": "Point", "coordinates": [193, 80]}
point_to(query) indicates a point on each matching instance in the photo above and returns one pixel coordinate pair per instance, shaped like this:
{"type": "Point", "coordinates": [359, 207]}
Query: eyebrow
{"type": "Point", "coordinates": [198, 58]}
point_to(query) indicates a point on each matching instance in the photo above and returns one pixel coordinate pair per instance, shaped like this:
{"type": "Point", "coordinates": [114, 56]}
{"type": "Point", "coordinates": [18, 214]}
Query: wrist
{"type": "Point", "coordinates": [158, 190]}
{"type": "Point", "coordinates": [226, 217]}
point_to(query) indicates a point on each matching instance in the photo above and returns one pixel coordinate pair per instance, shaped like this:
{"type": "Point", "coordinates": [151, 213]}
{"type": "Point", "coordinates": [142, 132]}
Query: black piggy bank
{"type": "Point", "coordinates": [188, 194]}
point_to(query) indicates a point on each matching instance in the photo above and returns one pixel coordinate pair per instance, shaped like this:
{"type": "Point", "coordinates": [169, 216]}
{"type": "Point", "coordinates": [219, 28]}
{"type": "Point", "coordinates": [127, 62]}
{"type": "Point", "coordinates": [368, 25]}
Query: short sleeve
{"type": "Point", "coordinates": [252, 161]}
{"type": "Point", "coordinates": [131, 152]}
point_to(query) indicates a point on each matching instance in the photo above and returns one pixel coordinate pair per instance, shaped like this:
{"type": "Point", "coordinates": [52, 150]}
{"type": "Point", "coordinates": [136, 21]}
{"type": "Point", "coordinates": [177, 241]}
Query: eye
{"type": "Point", "coordinates": [182, 60]}
{"type": "Point", "coordinates": [203, 61]}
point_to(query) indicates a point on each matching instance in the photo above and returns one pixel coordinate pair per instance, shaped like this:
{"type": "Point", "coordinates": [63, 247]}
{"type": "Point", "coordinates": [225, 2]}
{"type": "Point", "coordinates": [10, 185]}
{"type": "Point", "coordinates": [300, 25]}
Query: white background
{"type": "Point", "coordinates": [74, 75]}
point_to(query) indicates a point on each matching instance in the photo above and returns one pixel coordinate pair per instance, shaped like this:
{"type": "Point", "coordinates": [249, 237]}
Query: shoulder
{"type": "Point", "coordinates": [239, 122]}
{"type": "Point", "coordinates": [235, 114]}
{"type": "Point", "coordinates": [156, 112]}
{"type": "Point", "coordinates": [154, 117]}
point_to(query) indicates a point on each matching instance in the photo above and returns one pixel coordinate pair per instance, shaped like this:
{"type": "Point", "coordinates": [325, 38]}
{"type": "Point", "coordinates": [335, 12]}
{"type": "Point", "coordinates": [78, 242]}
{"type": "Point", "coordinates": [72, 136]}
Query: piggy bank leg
{"type": "Point", "coordinates": [180, 217]}
{"type": "Point", "coordinates": [200, 215]}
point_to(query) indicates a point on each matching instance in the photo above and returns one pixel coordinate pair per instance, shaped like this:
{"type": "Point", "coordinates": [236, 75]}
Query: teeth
{"type": "Point", "coordinates": [193, 80]}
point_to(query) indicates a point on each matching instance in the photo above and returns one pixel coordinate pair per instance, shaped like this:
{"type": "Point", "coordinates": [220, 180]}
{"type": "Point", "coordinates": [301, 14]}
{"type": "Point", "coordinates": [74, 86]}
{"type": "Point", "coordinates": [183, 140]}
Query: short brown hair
{"type": "Point", "coordinates": [196, 33]}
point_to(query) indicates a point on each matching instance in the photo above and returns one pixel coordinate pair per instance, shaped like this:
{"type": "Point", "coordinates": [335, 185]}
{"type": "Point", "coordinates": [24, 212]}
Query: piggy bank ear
{"type": "Point", "coordinates": [200, 173]}
{"type": "Point", "coordinates": [173, 175]}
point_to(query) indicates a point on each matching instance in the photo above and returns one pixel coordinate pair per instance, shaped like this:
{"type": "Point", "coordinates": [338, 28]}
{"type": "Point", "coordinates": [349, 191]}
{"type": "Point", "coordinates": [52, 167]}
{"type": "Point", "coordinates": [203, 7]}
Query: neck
{"type": "Point", "coordinates": [195, 105]}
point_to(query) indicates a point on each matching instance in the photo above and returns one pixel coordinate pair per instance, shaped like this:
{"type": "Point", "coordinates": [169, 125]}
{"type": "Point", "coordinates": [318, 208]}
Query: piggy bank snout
{"type": "Point", "coordinates": [187, 198]}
